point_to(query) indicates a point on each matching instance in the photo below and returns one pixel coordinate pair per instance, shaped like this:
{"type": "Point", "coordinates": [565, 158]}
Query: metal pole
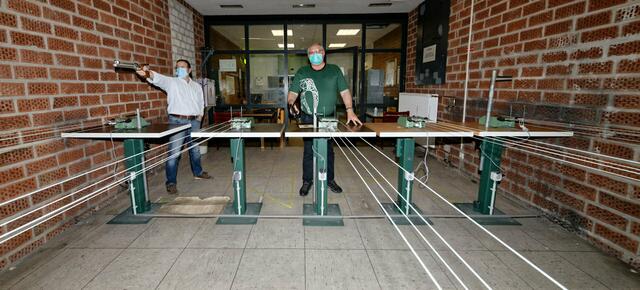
{"type": "Point", "coordinates": [492, 87]}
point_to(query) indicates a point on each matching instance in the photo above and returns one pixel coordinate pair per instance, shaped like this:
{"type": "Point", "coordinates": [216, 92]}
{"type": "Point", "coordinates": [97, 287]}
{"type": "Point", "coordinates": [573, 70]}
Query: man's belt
{"type": "Point", "coordinates": [187, 117]}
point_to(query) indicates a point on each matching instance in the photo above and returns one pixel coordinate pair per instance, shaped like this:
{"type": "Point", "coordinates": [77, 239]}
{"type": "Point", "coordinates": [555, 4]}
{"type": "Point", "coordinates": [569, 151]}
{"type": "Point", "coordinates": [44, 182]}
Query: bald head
{"type": "Point", "coordinates": [316, 47]}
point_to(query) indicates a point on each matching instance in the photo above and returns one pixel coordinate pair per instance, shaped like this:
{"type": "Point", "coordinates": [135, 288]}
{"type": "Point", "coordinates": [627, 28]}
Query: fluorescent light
{"type": "Point", "coordinates": [337, 45]}
{"type": "Point", "coordinates": [348, 31]}
{"type": "Point", "coordinates": [289, 45]}
{"type": "Point", "coordinates": [280, 32]}
{"type": "Point", "coordinates": [303, 5]}
{"type": "Point", "coordinates": [231, 6]}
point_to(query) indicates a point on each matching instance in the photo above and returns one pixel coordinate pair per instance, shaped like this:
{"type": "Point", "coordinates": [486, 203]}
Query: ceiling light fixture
{"type": "Point", "coordinates": [280, 32]}
{"type": "Point", "coordinates": [348, 31]}
{"type": "Point", "coordinates": [380, 4]}
{"type": "Point", "coordinates": [337, 45]}
{"type": "Point", "coordinates": [231, 6]}
{"type": "Point", "coordinates": [289, 45]}
{"type": "Point", "coordinates": [303, 5]}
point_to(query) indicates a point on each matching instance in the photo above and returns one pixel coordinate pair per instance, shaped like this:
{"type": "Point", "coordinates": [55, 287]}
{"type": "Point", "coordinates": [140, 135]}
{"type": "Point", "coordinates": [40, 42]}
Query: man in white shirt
{"type": "Point", "coordinates": [185, 106]}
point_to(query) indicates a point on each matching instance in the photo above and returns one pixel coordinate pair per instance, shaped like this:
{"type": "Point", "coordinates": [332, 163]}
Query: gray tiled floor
{"type": "Point", "coordinates": [197, 253]}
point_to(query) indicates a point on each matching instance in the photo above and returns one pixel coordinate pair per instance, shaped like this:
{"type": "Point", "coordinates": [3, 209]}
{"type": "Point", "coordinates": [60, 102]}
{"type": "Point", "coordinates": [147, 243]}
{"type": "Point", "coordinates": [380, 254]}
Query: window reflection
{"type": "Point", "coordinates": [344, 35]}
{"type": "Point", "coordinates": [384, 35]}
{"type": "Point", "coordinates": [228, 73]}
{"type": "Point", "coordinates": [382, 71]}
{"type": "Point", "coordinates": [227, 37]}
{"type": "Point", "coordinates": [267, 37]}
{"type": "Point", "coordinates": [267, 79]}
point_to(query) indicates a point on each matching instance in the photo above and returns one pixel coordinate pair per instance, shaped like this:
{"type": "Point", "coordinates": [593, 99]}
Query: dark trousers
{"type": "Point", "coordinates": [307, 158]}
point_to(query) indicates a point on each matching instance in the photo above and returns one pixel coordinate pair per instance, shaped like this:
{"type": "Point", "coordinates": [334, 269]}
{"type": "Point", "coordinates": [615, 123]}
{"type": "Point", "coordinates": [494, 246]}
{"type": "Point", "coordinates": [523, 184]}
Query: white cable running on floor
{"type": "Point", "coordinates": [455, 275]}
{"type": "Point", "coordinates": [96, 169]}
{"type": "Point", "coordinates": [424, 267]}
{"type": "Point", "coordinates": [421, 217]}
{"type": "Point", "coordinates": [523, 258]}
{"type": "Point", "coordinates": [3, 237]}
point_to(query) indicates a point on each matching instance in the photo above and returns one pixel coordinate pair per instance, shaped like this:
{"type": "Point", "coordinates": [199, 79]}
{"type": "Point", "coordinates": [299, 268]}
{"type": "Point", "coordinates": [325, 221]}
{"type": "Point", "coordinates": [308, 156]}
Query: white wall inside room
{"type": "Point", "coordinates": [182, 38]}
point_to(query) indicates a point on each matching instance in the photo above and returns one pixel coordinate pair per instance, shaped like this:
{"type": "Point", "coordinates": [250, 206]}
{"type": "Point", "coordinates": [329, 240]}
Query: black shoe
{"type": "Point", "coordinates": [334, 186]}
{"type": "Point", "coordinates": [304, 190]}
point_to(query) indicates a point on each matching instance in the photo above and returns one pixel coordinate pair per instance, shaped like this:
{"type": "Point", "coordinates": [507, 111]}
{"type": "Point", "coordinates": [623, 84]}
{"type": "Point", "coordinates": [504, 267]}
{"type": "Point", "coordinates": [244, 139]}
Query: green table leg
{"type": "Point", "coordinates": [239, 185]}
{"type": "Point", "coordinates": [320, 164]}
{"type": "Point", "coordinates": [139, 200]}
{"type": "Point", "coordinates": [404, 151]}
{"type": "Point", "coordinates": [492, 155]}
{"type": "Point", "coordinates": [320, 213]}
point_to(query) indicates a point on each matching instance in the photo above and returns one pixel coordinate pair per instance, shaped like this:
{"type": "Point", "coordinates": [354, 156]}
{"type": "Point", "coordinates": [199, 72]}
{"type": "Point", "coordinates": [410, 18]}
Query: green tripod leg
{"type": "Point", "coordinates": [139, 201]}
{"type": "Point", "coordinates": [239, 186]}
{"type": "Point", "coordinates": [404, 151]}
{"type": "Point", "coordinates": [320, 162]}
{"type": "Point", "coordinates": [492, 153]}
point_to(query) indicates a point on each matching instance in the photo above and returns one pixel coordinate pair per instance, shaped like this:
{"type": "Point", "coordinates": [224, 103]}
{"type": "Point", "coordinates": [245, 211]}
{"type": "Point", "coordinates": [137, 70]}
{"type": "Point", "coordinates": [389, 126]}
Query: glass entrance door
{"type": "Point", "coordinates": [347, 60]}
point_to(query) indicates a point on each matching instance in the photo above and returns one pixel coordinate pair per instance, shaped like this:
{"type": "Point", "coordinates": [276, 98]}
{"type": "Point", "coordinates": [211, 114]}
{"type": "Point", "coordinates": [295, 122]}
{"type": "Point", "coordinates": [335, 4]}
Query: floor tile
{"type": "Point", "coordinates": [203, 269]}
{"type": "Point", "coordinates": [136, 269]}
{"type": "Point", "coordinates": [271, 269]}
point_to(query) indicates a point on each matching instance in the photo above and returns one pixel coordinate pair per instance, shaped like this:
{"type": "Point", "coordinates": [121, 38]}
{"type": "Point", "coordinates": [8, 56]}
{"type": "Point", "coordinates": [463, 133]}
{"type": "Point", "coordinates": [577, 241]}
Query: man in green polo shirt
{"type": "Point", "coordinates": [318, 86]}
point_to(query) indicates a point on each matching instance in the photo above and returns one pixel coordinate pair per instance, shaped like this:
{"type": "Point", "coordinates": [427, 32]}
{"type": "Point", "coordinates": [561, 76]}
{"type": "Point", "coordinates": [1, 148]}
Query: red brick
{"type": "Point", "coordinates": [35, 25]}
{"type": "Point", "coordinates": [60, 45]}
{"type": "Point", "coordinates": [64, 4]}
{"type": "Point", "coordinates": [56, 15]}
{"type": "Point", "coordinates": [15, 242]}
{"type": "Point", "coordinates": [7, 19]}
{"type": "Point", "coordinates": [6, 106]}
{"type": "Point", "coordinates": [579, 189]}
{"type": "Point", "coordinates": [622, 83]}
{"type": "Point", "coordinates": [52, 176]}
{"type": "Point", "coordinates": [25, 39]}
{"type": "Point", "coordinates": [61, 102]}
{"type": "Point", "coordinates": [545, 203]}
{"type": "Point", "coordinates": [596, 68]}
{"type": "Point", "coordinates": [557, 28]}
{"type": "Point", "coordinates": [601, 4]}
{"type": "Point", "coordinates": [629, 66]}
{"type": "Point", "coordinates": [67, 60]}
{"type": "Point", "coordinates": [62, 74]}
{"type": "Point", "coordinates": [554, 56]}
{"type": "Point", "coordinates": [632, 47]}
{"type": "Point", "coordinates": [623, 206]}
{"type": "Point", "coordinates": [607, 216]}
{"type": "Point", "coordinates": [617, 238]}
{"type": "Point", "coordinates": [559, 69]}
{"type": "Point", "coordinates": [591, 99]}
{"type": "Point", "coordinates": [24, 7]}
{"type": "Point", "coordinates": [30, 56]}
{"type": "Point", "coordinates": [47, 118]}
{"type": "Point", "coordinates": [599, 34]}
{"type": "Point", "coordinates": [79, 114]}
{"type": "Point", "coordinates": [14, 122]}
{"type": "Point", "coordinates": [41, 165]}
{"type": "Point", "coordinates": [632, 101]}
{"type": "Point", "coordinates": [66, 32]}
{"type": "Point", "coordinates": [102, 5]}
{"type": "Point", "coordinates": [631, 28]}
{"type": "Point", "coordinates": [12, 174]}
{"type": "Point", "coordinates": [594, 52]}
{"type": "Point", "coordinates": [558, 98]}
{"type": "Point", "coordinates": [30, 72]}
{"type": "Point", "coordinates": [635, 228]}
{"type": "Point", "coordinates": [72, 88]}
{"type": "Point", "coordinates": [88, 12]}
{"type": "Point", "coordinates": [570, 10]}
{"type": "Point", "coordinates": [43, 88]}
{"type": "Point", "coordinates": [594, 20]}
{"type": "Point", "coordinates": [29, 105]}
{"type": "Point", "coordinates": [540, 18]}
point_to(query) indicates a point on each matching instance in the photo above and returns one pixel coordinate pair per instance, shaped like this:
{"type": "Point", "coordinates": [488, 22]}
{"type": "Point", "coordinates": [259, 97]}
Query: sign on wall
{"type": "Point", "coordinates": [432, 42]}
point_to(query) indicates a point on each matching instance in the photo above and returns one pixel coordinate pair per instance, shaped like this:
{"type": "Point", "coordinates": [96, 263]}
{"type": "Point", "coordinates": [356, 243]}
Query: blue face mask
{"type": "Point", "coordinates": [315, 58]}
{"type": "Point", "coordinates": [181, 72]}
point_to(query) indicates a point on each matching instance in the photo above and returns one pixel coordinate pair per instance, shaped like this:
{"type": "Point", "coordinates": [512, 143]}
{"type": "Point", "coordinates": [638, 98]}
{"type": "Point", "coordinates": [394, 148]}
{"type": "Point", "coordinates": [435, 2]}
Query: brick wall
{"type": "Point", "coordinates": [572, 62]}
{"type": "Point", "coordinates": [182, 38]}
{"type": "Point", "coordinates": [56, 75]}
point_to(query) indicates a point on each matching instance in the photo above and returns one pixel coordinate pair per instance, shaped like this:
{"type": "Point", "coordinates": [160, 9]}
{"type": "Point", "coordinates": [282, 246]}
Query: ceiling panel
{"type": "Point", "coordinates": [284, 7]}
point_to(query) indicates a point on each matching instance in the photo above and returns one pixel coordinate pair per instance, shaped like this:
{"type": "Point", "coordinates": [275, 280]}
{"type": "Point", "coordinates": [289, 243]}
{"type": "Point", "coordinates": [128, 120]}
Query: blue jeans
{"type": "Point", "coordinates": [175, 147]}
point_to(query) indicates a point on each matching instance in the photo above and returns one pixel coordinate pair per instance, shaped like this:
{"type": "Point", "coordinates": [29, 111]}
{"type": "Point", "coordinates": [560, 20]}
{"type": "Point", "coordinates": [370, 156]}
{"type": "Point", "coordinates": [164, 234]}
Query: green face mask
{"type": "Point", "coordinates": [315, 58]}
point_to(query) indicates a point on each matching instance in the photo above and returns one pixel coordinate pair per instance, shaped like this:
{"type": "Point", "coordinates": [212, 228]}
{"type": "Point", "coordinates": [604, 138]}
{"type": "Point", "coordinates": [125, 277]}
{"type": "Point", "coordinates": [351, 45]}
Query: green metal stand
{"type": "Point", "coordinates": [239, 206]}
{"type": "Point", "coordinates": [405, 148]}
{"type": "Point", "coordinates": [491, 155]}
{"type": "Point", "coordinates": [320, 184]}
{"type": "Point", "coordinates": [139, 198]}
{"type": "Point", "coordinates": [323, 211]}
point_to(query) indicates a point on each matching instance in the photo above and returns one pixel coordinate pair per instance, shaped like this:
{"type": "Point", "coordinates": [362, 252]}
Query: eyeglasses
{"type": "Point", "coordinates": [320, 50]}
